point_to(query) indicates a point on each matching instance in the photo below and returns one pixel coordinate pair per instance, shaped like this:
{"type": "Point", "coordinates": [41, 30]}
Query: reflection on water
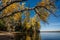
{"type": "Point", "coordinates": [39, 36]}
{"type": "Point", "coordinates": [29, 36]}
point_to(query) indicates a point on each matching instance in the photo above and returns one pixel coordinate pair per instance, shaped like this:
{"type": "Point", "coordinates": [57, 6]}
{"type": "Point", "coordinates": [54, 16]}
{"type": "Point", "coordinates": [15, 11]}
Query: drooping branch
{"type": "Point", "coordinates": [11, 3]}
{"type": "Point", "coordinates": [51, 12]}
{"type": "Point", "coordinates": [40, 6]}
{"type": "Point", "coordinates": [26, 9]}
{"type": "Point", "coordinates": [16, 12]}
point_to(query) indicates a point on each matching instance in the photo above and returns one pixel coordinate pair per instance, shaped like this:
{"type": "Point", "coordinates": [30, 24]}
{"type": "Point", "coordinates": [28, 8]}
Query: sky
{"type": "Point", "coordinates": [54, 22]}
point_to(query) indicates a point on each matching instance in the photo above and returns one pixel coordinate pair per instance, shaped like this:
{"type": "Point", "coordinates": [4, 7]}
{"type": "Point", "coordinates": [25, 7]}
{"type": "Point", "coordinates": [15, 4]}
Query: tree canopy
{"type": "Point", "coordinates": [11, 11]}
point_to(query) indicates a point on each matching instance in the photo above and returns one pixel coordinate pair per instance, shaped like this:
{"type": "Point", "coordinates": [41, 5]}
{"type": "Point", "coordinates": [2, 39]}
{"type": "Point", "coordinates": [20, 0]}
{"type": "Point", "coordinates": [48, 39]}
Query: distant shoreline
{"type": "Point", "coordinates": [49, 31]}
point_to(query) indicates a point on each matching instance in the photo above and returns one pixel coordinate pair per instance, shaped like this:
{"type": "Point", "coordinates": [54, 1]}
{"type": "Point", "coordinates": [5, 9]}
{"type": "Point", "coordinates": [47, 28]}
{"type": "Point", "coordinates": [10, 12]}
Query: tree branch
{"type": "Point", "coordinates": [27, 9]}
{"type": "Point", "coordinates": [11, 3]}
{"type": "Point", "coordinates": [16, 12]}
{"type": "Point", "coordinates": [51, 12]}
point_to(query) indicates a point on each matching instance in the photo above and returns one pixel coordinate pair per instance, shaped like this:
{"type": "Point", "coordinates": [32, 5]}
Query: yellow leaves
{"type": "Point", "coordinates": [27, 25]}
{"type": "Point", "coordinates": [42, 13]}
{"type": "Point", "coordinates": [44, 16]}
{"type": "Point", "coordinates": [47, 1]}
{"type": "Point", "coordinates": [27, 19]}
{"type": "Point", "coordinates": [42, 4]}
{"type": "Point", "coordinates": [47, 6]}
{"type": "Point", "coordinates": [13, 7]}
{"type": "Point", "coordinates": [33, 20]}
{"type": "Point", "coordinates": [4, 2]}
{"type": "Point", "coordinates": [35, 23]}
{"type": "Point", "coordinates": [38, 25]}
{"type": "Point", "coordinates": [28, 37]}
{"type": "Point", "coordinates": [17, 16]}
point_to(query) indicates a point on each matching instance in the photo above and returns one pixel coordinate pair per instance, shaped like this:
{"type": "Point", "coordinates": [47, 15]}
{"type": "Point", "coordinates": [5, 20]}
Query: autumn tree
{"type": "Point", "coordinates": [12, 12]}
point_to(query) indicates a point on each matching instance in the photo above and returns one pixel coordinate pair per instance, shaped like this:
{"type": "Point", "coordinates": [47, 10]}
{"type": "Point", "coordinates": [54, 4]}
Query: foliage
{"type": "Point", "coordinates": [2, 25]}
{"type": "Point", "coordinates": [43, 9]}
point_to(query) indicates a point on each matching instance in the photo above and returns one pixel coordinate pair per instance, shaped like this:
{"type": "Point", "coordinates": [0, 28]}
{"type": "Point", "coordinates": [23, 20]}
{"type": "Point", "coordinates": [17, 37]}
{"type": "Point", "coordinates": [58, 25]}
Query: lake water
{"type": "Point", "coordinates": [50, 35]}
{"type": "Point", "coordinates": [38, 36]}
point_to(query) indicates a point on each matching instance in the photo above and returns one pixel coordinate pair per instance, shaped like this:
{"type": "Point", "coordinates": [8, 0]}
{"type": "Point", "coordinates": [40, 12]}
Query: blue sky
{"type": "Point", "coordinates": [54, 22]}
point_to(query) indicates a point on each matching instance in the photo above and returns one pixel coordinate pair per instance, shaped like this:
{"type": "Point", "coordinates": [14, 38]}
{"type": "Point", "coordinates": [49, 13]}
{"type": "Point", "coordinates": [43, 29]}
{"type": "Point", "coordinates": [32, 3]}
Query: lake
{"type": "Point", "coordinates": [50, 35]}
{"type": "Point", "coordinates": [38, 36]}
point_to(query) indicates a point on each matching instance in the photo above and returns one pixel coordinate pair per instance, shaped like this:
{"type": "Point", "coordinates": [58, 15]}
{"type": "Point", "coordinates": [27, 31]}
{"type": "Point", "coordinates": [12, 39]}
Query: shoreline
{"type": "Point", "coordinates": [50, 31]}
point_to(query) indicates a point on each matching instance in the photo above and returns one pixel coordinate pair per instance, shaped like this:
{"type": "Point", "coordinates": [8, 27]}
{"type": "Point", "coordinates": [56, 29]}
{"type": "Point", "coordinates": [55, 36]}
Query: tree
{"type": "Point", "coordinates": [12, 11]}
